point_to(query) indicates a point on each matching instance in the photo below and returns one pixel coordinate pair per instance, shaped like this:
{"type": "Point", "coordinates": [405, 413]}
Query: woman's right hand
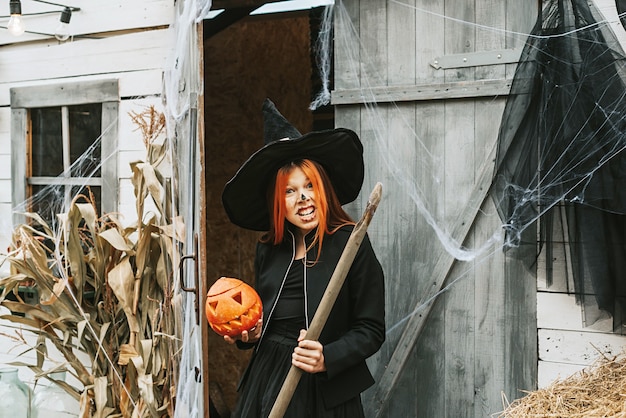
{"type": "Point", "coordinates": [250, 336]}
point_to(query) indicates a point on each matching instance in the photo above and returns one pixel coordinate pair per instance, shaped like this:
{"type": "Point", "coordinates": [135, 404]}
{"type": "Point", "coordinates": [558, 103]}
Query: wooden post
{"type": "Point", "coordinates": [328, 299]}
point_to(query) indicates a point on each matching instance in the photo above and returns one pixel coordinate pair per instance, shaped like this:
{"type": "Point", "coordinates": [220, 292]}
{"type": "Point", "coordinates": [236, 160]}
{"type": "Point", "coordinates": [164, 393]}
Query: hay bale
{"type": "Point", "coordinates": [597, 391]}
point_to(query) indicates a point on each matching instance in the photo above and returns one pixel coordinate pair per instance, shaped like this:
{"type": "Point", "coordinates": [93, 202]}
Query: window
{"type": "Point", "coordinates": [63, 139]}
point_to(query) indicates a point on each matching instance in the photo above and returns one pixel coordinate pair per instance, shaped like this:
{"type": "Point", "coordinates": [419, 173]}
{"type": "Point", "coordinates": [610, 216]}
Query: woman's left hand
{"type": "Point", "coordinates": [308, 355]}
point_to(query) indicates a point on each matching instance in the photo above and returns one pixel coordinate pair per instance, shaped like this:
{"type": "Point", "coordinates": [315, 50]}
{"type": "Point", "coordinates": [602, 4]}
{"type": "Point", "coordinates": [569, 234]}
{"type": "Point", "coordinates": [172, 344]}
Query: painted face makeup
{"type": "Point", "coordinates": [300, 201]}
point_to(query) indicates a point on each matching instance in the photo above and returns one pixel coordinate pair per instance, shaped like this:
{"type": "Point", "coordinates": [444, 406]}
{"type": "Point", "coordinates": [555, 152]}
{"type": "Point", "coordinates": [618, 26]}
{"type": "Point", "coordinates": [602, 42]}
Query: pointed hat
{"type": "Point", "coordinates": [339, 151]}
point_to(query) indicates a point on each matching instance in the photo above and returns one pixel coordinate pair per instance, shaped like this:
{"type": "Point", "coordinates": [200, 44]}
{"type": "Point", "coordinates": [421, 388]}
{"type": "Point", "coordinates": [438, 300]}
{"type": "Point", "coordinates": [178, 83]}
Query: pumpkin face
{"type": "Point", "coordinates": [232, 306]}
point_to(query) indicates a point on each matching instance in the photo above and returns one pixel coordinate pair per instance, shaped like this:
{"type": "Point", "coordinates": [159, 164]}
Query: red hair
{"type": "Point", "coordinates": [329, 211]}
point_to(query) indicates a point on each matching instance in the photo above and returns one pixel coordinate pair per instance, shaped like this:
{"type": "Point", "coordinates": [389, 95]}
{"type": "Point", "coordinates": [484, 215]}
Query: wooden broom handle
{"type": "Point", "coordinates": [328, 299]}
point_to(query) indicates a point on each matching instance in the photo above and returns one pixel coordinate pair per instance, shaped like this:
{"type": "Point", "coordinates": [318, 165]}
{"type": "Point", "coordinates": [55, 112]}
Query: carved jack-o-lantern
{"type": "Point", "coordinates": [232, 306]}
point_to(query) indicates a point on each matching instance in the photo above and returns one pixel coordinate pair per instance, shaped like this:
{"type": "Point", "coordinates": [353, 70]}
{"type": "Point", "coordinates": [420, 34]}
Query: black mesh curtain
{"type": "Point", "coordinates": [621, 10]}
{"type": "Point", "coordinates": [561, 151]}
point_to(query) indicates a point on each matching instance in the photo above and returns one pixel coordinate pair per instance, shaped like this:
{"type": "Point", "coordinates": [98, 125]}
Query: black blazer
{"type": "Point", "coordinates": [355, 328]}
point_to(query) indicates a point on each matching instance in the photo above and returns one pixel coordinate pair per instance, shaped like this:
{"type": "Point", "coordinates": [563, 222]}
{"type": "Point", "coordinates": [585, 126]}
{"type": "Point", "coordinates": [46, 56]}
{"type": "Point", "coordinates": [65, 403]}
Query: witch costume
{"type": "Point", "coordinates": [291, 289]}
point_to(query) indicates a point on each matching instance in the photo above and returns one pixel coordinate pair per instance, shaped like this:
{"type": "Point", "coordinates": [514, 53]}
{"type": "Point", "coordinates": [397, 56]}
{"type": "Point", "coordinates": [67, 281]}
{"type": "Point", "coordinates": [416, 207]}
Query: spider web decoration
{"type": "Point", "coordinates": [561, 151]}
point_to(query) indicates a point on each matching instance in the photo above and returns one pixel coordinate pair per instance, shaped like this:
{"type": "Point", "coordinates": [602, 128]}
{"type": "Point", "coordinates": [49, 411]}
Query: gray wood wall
{"type": "Point", "coordinates": [429, 136]}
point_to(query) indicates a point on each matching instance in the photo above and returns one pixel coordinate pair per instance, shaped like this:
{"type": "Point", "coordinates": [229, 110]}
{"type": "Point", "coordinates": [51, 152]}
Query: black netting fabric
{"type": "Point", "coordinates": [621, 10]}
{"type": "Point", "coordinates": [561, 152]}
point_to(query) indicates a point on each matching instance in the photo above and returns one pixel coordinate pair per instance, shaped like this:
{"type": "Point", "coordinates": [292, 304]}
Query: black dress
{"type": "Point", "coordinates": [272, 361]}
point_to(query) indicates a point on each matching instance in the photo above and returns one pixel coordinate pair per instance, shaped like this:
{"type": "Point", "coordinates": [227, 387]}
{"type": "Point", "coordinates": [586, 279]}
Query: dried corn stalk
{"type": "Point", "coordinates": [105, 290]}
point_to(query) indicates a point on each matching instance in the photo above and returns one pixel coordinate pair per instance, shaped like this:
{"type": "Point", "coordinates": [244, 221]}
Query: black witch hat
{"type": "Point", "coordinates": [339, 151]}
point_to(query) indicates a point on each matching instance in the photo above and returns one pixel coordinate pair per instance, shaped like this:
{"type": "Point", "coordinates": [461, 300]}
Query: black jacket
{"type": "Point", "coordinates": [355, 328]}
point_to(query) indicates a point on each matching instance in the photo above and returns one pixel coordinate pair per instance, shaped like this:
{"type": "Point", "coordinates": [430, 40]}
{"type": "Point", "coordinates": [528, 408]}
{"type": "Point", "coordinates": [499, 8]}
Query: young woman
{"type": "Point", "coordinates": [307, 178]}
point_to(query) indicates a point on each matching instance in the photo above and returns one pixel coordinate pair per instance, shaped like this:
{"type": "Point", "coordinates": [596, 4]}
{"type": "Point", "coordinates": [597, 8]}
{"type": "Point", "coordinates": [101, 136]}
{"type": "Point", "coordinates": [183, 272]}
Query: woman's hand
{"type": "Point", "coordinates": [250, 336]}
{"type": "Point", "coordinates": [308, 355]}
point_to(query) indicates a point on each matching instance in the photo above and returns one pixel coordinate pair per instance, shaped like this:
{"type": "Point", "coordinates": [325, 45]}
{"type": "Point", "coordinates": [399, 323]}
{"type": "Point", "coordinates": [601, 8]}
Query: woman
{"type": "Point", "coordinates": [306, 178]}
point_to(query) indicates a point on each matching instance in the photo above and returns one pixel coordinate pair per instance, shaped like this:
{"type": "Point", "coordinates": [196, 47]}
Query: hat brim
{"type": "Point", "coordinates": [339, 151]}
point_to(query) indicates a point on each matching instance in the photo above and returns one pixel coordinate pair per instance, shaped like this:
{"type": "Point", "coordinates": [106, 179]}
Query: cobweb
{"type": "Point", "coordinates": [559, 161]}
{"type": "Point", "coordinates": [561, 151]}
{"type": "Point", "coordinates": [47, 201]}
{"type": "Point", "coordinates": [45, 211]}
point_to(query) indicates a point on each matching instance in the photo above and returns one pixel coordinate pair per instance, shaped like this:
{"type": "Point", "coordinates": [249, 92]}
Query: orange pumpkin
{"type": "Point", "coordinates": [232, 306]}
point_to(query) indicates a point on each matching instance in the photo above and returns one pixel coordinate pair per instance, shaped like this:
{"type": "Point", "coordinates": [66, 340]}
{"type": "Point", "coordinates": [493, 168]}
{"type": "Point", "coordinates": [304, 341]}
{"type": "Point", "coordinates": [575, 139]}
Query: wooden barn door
{"type": "Point", "coordinates": [424, 83]}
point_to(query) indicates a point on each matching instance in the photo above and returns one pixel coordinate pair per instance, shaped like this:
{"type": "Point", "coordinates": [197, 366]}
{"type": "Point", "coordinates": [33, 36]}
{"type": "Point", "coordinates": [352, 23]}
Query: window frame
{"type": "Point", "coordinates": [25, 98]}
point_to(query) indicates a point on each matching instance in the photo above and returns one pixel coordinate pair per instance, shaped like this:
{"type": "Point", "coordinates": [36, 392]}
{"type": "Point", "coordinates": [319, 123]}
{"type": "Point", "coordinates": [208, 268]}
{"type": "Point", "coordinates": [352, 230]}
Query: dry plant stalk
{"type": "Point", "coordinates": [105, 290]}
{"type": "Point", "coordinates": [598, 391]}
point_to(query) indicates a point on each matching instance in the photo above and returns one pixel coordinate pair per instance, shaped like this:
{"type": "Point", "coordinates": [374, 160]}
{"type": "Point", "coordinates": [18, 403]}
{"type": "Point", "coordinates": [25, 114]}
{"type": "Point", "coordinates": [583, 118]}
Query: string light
{"type": "Point", "coordinates": [62, 32]}
{"type": "Point", "coordinates": [16, 25]}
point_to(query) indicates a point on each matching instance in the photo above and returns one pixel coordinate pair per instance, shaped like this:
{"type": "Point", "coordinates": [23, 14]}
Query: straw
{"type": "Point", "coordinates": [596, 391]}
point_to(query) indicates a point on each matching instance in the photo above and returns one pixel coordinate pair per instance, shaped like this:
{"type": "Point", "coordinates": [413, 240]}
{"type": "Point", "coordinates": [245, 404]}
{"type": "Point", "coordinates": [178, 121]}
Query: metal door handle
{"type": "Point", "coordinates": [195, 289]}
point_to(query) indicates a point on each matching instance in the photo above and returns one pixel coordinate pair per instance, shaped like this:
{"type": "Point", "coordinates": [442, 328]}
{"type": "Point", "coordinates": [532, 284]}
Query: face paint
{"type": "Point", "coordinates": [301, 207]}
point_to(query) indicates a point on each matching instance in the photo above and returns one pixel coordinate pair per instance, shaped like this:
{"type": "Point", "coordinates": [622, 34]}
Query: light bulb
{"type": "Point", "coordinates": [16, 25]}
{"type": "Point", "coordinates": [62, 32]}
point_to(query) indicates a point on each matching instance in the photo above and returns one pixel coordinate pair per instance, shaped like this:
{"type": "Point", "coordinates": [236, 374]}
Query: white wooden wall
{"type": "Point", "coordinates": [566, 345]}
{"type": "Point", "coordinates": [125, 40]}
